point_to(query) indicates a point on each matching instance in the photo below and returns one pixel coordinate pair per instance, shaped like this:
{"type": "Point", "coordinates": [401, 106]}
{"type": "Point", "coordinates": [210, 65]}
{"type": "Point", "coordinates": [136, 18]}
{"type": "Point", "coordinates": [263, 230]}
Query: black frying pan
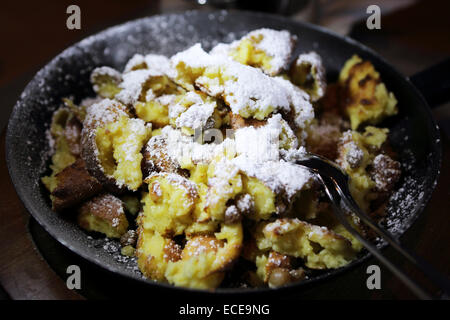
{"type": "Point", "coordinates": [413, 132]}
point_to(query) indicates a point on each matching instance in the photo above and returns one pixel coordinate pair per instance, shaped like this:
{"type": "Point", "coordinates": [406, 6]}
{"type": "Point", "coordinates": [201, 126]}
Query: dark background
{"type": "Point", "coordinates": [414, 35]}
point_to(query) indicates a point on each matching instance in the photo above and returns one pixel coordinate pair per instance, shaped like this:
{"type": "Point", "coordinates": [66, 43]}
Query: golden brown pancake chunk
{"type": "Point", "coordinates": [74, 185]}
{"type": "Point", "coordinates": [103, 214]}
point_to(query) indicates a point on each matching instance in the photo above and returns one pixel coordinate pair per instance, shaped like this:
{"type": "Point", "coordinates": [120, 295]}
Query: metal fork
{"type": "Point", "coordinates": [336, 183]}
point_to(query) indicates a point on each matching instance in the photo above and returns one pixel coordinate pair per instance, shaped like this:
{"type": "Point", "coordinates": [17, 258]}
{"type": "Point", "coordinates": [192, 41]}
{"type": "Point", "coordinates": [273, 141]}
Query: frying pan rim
{"type": "Point", "coordinates": [28, 203]}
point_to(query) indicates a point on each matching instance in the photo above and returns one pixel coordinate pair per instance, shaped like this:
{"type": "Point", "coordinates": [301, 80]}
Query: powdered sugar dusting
{"type": "Point", "coordinates": [246, 90]}
{"type": "Point", "coordinates": [245, 203]}
{"type": "Point", "coordinates": [259, 144]}
{"type": "Point", "coordinates": [160, 63]}
{"type": "Point", "coordinates": [134, 62]}
{"type": "Point", "coordinates": [259, 156]}
{"type": "Point", "coordinates": [131, 146]}
{"type": "Point", "coordinates": [194, 116]}
{"type": "Point", "coordinates": [103, 112]}
{"type": "Point", "coordinates": [132, 85]}
{"type": "Point", "coordinates": [300, 102]}
{"type": "Point", "coordinates": [113, 74]}
{"type": "Point", "coordinates": [180, 182]}
{"type": "Point", "coordinates": [181, 147]}
{"type": "Point", "coordinates": [281, 176]}
{"type": "Point", "coordinates": [278, 45]}
{"type": "Point", "coordinates": [314, 61]}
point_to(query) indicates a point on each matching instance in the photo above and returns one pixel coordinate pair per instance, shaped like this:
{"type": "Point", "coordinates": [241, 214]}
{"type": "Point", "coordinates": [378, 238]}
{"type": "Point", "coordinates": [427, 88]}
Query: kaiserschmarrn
{"type": "Point", "coordinates": [189, 160]}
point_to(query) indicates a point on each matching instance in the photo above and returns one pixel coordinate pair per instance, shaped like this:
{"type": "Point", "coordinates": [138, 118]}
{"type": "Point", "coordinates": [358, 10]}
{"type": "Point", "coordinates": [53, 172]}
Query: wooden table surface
{"type": "Point", "coordinates": [25, 274]}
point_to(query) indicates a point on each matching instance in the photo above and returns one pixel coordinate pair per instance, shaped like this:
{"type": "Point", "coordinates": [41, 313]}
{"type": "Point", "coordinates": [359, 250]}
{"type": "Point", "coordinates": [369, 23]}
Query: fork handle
{"type": "Point", "coordinates": [334, 192]}
{"type": "Point", "coordinates": [436, 277]}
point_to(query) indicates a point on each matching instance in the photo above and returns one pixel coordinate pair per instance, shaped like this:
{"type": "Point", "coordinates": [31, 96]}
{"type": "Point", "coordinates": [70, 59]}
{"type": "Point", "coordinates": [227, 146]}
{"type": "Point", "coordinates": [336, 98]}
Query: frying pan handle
{"type": "Point", "coordinates": [434, 83]}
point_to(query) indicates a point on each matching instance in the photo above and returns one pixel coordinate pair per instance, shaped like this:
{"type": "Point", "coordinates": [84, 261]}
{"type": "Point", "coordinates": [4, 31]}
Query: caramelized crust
{"type": "Point", "coordinates": [74, 185]}
{"type": "Point", "coordinates": [104, 214]}
{"type": "Point", "coordinates": [156, 159]}
{"type": "Point", "coordinates": [385, 172]}
{"type": "Point", "coordinates": [201, 244]}
{"type": "Point", "coordinates": [278, 260]}
{"type": "Point", "coordinates": [323, 135]}
{"type": "Point", "coordinates": [172, 251]}
{"type": "Point", "coordinates": [89, 153]}
{"type": "Point", "coordinates": [332, 101]}
{"type": "Point", "coordinates": [238, 121]}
